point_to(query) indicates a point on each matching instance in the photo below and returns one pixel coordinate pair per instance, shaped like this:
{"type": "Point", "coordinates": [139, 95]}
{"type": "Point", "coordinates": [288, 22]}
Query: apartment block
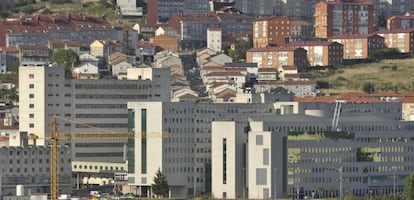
{"type": "Point", "coordinates": [273, 31]}
{"type": "Point", "coordinates": [359, 46]}
{"type": "Point", "coordinates": [343, 17]}
{"type": "Point", "coordinates": [214, 39]}
{"type": "Point", "coordinates": [162, 10]}
{"type": "Point", "coordinates": [322, 53]}
{"type": "Point", "coordinates": [274, 57]}
{"type": "Point", "coordinates": [99, 103]}
{"type": "Point", "coordinates": [400, 39]}
{"type": "Point", "coordinates": [400, 22]}
{"type": "Point", "coordinates": [192, 27]}
{"type": "Point", "coordinates": [298, 9]}
{"type": "Point", "coordinates": [258, 7]}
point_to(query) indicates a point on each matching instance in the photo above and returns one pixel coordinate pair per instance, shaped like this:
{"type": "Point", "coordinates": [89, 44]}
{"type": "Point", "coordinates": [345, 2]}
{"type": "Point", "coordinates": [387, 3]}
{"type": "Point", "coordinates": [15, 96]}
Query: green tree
{"type": "Point", "coordinates": [409, 187]}
{"type": "Point", "coordinates": [67, 59]}
{"type": "Point", "coordinates": [160, 186]}
{"type": "Point", "coordinates": [240, 49]}
{"type": "Point", "coordinates": [368, 88]}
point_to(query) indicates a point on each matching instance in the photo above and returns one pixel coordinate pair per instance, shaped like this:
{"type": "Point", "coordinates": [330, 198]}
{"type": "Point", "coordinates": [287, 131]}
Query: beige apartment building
{"type": "Point", "coordinates": [359, 46]}
{"type": "Point", "coordinates": [273, 57]}
{"type": "Point", "coordinates": [343, 17]}
{"type": "Point", "coordinates": [400, 39]}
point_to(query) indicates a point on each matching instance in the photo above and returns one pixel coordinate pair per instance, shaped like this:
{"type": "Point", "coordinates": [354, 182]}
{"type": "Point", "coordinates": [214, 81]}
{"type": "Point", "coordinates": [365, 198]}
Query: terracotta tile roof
{"type": "Point", "coordinates": [267, 69]}
{"type": "Point", "coordinates": [224, 74]}
{"type": "Point", "coordinates": [386, 94]}
{"type": "Point", "coordinates": [45, 23]}
{"type": "Point", "coordinates": [289, 67]}
{"type": "Point", "coordinates": [225, 94]}
{"type": "Point", "coordinates": [271, 18]}
{"type": "Point", "coordinates": [401, 17]}
{"type": "Point", "coordinates": [272, 49]}
{"type": "Point", "coordinates": [9, 49]}
{"type": "Point", "coordinates": [197, 17]}
{"type": "Point", "coordinates": [353, 36]}
{"type": "Point", "coordinates": [407, 100]}
{"type": "Point", "coordinates": [39, 46]}
{"type": "Point", "coordinates": [188, 96]}
{"type": "Point", "coordinates": [214, 29]}
{"type": "Point", "coordinates": [212, 67]}
{"type": "Point", "coordinates": [388, 31]}
{"type": "Point", "coordinates": [311, 43]}
{"type": "Point", "coordinates": [217, 84]}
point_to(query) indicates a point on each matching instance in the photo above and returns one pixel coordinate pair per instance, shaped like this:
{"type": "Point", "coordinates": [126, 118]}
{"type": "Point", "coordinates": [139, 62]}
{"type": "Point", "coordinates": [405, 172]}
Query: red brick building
{"type": "Point", "coordinates": [359, 46]}
{"type": "Point", "coordinates": [401, 39]}
{"type": "Point", "coordinates": [273, 31]}
{"type": "Point", "coordinates": [400, 22]}
{"type": "Point", "coordinates": [274, 57]}
{"type": "Point", "coordinates": [344, 17]}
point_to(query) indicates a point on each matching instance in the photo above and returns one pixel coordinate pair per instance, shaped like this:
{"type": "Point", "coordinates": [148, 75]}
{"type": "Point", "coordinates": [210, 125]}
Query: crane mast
{"type": "Point", "coordinates": [54, 175]}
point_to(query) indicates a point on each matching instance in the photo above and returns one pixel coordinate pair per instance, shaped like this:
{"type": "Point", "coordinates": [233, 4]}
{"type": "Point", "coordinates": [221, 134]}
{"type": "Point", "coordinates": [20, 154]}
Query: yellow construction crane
{"type": "Point", "coordinates": [56, 136]}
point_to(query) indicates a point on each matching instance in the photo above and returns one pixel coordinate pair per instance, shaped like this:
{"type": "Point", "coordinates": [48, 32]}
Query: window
{"type": "Point", "coordinates": [31, 86]}
{"type": "Point", "coordinates": [31, 115]}
{"type": "Point", "coordinates": [259, 139]}
{"type": "Point", "coordinates": [31, 76]}
{"type": "Point", "coordinates": [31, 96]}
{"type": "Point", "coordinates": [31, 125]}
{"type": "Point", "coordinates": [31, 105]}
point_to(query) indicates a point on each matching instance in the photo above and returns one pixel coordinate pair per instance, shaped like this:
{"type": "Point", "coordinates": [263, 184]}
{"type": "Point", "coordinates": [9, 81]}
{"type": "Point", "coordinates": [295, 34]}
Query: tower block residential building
{"type": "Point", "coordinates": [344, 17]}
{"type": "Point", "coordinates": [273, 31]}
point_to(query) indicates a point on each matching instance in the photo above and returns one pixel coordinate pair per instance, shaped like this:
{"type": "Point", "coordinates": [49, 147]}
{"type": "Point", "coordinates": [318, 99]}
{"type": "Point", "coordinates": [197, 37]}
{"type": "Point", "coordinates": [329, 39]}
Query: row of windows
{"type": "Point", "coordinates": [90, 167]}
{"type": "Point", "coordinates": [112, 96]}
{"type": "Point", "coordinates": [101, 115]}
{"type": "Point", "coordinates": [33, 161]}
{"type": "Point", "coordinates": [111, 86]}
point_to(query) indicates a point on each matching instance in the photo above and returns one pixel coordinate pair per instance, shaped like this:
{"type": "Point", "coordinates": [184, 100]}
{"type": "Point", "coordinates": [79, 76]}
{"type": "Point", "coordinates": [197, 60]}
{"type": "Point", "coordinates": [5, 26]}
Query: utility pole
{"type": "Point", "coordinates": [340, 183]}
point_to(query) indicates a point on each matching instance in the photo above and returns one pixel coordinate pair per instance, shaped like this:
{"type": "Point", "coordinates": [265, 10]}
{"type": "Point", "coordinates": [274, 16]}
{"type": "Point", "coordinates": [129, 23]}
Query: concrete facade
{"type": "Point", "coordinates": [98, 103]}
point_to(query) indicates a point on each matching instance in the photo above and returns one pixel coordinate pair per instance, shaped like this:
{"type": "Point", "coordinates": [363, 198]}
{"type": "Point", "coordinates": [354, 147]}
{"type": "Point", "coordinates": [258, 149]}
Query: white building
{"type": "Point", "coordinates": [214, 39]}
{"type": "Point", "coordinates": [102, 104]}
{"type": "Point", "coordinates": [129, 8]}
{"type": "Point", "coordinates": [185, 156]}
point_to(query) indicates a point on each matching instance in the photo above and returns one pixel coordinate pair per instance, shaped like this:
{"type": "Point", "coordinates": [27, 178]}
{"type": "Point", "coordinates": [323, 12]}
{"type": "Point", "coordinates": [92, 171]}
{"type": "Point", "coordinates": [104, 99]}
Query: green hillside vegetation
{"type": "Point", "coordinates": [386, 75]}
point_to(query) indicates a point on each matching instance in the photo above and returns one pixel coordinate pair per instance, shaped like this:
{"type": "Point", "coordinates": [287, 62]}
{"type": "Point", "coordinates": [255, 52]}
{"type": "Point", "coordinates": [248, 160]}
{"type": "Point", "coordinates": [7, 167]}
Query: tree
{"type": "Point", "coordinates": [239, 52]}
{"type": "Point", "coordinates": [67, 59]}
{"type": "Point", "coordinates": [409, 187]}
{"type": "Point", "coordinates": [160, 186]}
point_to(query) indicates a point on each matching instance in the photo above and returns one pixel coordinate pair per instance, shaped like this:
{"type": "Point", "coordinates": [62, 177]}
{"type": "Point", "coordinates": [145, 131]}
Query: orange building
{"type": "Point", "coordinates": [165, 42]}
{"type": "Point", "coordinates": [322, 53]}
{"type": "Point", "coordinates": [274, 57]}
{"type": "Point", "coordinates": [344, 17]}
{"type": "Point", "coordinates": [359, 46]}
{"type": "Point", "coordinates": [272, 31]}
{"type": "Point", "coordinates": [401, 39]}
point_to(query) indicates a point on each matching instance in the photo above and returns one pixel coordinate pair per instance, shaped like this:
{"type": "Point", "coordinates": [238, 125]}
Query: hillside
{"type": "Point", "coordinates": [386, 75]}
